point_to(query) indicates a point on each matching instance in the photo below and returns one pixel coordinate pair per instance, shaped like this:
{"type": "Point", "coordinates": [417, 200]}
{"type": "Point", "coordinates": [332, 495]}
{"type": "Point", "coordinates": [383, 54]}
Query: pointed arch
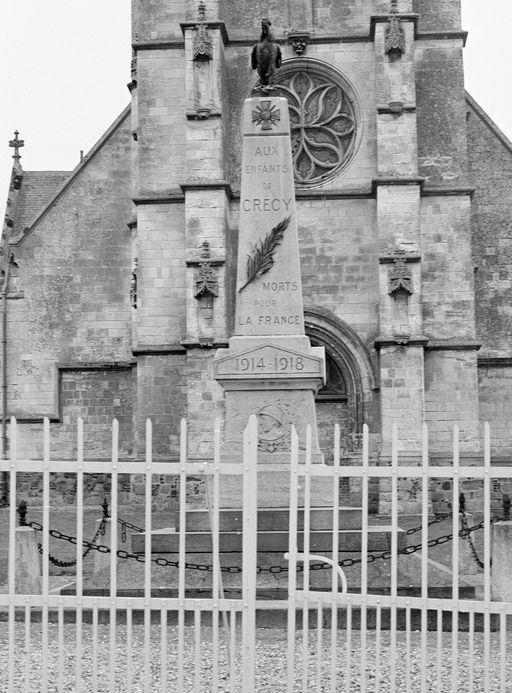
{"type": "Point", "coordinates": [344, 346]}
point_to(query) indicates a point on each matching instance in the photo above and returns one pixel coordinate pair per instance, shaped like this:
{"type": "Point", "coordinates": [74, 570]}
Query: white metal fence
{"type": "Point", "coordinates": [344, 638]}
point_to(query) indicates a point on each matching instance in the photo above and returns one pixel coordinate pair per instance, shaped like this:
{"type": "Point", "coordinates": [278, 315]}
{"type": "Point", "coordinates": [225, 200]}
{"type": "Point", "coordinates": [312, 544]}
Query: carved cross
{"type": "Point", "coordinates": [16, 144]}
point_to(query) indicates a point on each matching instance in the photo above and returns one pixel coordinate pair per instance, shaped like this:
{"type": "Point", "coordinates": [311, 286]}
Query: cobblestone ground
{"type": "Point", "coordinates": [270, 656]}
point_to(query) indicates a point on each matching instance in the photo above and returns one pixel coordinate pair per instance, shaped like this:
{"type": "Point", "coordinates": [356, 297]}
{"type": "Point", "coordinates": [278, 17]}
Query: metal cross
{"type": "Point", "coordinates": [16, 144]}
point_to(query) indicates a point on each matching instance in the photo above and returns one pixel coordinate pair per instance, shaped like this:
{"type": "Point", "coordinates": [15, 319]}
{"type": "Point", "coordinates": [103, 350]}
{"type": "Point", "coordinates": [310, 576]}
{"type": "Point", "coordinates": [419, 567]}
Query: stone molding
{"type": "Point", "coordinates": [96, 366]}
{"type": "Point", "coordinates": [174, 44]}
{"type": "Point", "coordinates": [435, 191]}
{"type": "Point", "coordinates": [448, 345]}
{"type": "Point", "coordinates": [159, 198]}
{"type": "Point", "coordinates": [197, 262]}
{"type": "Point", "coordinates": [390, 258]}
{"type": "Point", "coordinates": [208, 185]}
{"type": "Point", "coordinates": [406, 180]}
{"type": "Point", "coordinates": [396, 108]}
{"type": "Point", "coordinates": [204, 344]}
{"type": "Point", "coordinates": [157, 350]}
{"type": "Point", "coordinates": [398, 340]}
{"type": "Point", "coordinates": [494, 361]}
{"type": "Point", "coordinates": [308, 194]}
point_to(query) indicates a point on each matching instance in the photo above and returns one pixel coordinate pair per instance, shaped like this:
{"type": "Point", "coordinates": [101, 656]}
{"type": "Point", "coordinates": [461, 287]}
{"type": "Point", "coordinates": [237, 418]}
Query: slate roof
{"type": "Point", "coordinates": [37, 191]}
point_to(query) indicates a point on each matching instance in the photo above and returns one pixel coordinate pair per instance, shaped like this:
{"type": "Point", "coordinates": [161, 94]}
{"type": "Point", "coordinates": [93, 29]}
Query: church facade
{"type": "Point", "coordinates": [121, 274]}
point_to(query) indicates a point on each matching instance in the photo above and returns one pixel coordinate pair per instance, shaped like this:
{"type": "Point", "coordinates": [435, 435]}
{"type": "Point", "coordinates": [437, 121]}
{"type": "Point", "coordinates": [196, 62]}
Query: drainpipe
{"type": "Point", "coordinates": [4, 480]}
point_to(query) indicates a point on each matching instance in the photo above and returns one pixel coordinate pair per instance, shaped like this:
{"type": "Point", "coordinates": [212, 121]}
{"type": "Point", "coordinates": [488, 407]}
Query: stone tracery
{"type": "Point", "coordinates": [323, 121]}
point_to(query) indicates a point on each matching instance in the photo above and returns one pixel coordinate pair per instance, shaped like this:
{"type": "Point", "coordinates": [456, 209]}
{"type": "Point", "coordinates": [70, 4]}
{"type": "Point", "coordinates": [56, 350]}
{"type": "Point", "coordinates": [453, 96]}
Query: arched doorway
{"type": "Point", "coordinates": [349, 386]}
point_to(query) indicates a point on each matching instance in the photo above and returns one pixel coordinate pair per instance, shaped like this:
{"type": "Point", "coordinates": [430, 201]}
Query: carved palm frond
{"type": "Point", "coordinates": [262, 257]}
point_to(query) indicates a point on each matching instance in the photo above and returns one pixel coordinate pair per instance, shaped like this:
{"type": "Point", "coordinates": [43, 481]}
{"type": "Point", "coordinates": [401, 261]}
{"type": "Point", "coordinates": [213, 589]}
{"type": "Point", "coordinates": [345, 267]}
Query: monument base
{"type": "Point", "coordinates": [274, 490]}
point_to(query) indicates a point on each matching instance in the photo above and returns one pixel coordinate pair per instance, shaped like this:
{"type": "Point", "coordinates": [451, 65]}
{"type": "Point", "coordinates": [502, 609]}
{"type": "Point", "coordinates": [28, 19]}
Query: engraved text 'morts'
{"type": "Point", "coordinates": [280, 286]}
{"type": "Point", "coordinates": [266, 204]}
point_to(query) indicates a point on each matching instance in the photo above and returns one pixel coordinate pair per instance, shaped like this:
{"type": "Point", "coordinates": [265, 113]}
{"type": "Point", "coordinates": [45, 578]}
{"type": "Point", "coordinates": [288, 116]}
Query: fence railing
{"type": "Point", "coordinates": [361, 627]}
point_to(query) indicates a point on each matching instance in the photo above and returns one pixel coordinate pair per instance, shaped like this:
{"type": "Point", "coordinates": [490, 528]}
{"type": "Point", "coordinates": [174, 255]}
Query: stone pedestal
{"type": "Point", "coordinates": [501, 584]}
{"type": "Point", "coordinates": [27, 562]}
{"type": "Point", "coordinates": [270, 369]}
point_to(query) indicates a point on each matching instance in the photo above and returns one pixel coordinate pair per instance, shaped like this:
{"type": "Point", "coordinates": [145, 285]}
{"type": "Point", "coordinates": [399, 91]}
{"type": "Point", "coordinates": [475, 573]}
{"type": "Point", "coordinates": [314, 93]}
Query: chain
{"type": "Point", "coordinates": [66, 537]}
{"type": "Point", "coordinates": [437, 518]}
{"type": "Point", "coordinates": [124, 524]}
{"type": "Point", "coordinates": [465, 532]}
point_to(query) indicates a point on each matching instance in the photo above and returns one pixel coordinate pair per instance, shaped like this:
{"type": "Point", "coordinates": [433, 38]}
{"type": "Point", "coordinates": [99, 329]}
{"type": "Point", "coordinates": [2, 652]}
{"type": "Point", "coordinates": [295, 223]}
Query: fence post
{"type": "Point", "coordinates": [501, 585]}
{"type": "Point", "coordinates": [27, 562]}
{"type": "Point", "coordinates": [249, 560]}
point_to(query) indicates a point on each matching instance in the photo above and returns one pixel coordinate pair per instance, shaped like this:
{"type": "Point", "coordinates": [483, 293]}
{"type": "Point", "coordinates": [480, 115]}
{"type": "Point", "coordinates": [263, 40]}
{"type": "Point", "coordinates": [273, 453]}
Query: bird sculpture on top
{"type": "Point", "coordinates": [266, 57]}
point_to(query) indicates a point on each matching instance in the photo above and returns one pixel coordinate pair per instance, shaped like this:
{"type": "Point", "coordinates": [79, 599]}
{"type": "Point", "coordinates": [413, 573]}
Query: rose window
{"type": "Point", "coordinates": [322, 119]}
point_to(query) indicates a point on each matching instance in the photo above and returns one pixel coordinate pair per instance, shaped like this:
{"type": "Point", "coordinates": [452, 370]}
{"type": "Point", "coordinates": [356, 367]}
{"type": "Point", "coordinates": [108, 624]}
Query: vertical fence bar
{"type": "Point", "coordinates": [364, 554]}
{"type": "Point", "coordinates": [487, 549]}
{"type": "Point", "coordinates": [348, 652]}
{"type": "Point", "coordinates": [12, 552]}
{"type": "Point", "coordinates": [163, 646]}
{"type": "Point", "coordinates": [197, 649]}
{"type": "Point", "coordinates": [129, 645]}
{"type": "Point", "coordinates": [147, 557]}
{"type": "Point", "coordinates": [408, 645]}
{"type": "Point", "coordinates": [439, 642]}
{"type": "Point", "coordinates": [378, 632]}
{"type": "Point", "coordinates": [232, 649]}
{"type": "Point", "coordinates": [394, 554]}
{"type": "Point", "coordinates": [113, 551]}
{"type": "Point", "coordinates": [60, 638]}
{"type": "Point", "coordinates": [182, 547]}
{"type": "Point", "coordinates": [319, 643]}
{"type": "Point", "coordinates": [292, 559]}
{"type": "Point", "coordinates": [335, 556]}
{"type": "Point", "coordinates": [94, 677]}
{"type": "Point", "coordinates": [79, 549]}
{"type": "Point", "coordinates": [471, 651]}
{"type": "Point", "coordinates": [424, 555]}
{"type": "Point", "coordinates": [305, 586]}
{"type": "Point", "coordinates": [503, 649]}
{"type": "Point", "coordinates": [46, 552]}
{"type": "Point", "coordinates": [217, 589]}
{"type": "Point", "coordinates": [249, 554]}
{"type": "Point", "coordinates": [455, 557]}
{"type": "Point", "coordinates": [27, 643]}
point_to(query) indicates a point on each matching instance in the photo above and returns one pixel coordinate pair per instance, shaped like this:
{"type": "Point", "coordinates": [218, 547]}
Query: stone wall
{"type": "Point", "coordinates": [72, 306]}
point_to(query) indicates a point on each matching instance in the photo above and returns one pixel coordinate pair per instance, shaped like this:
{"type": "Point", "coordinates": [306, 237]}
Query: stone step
{"type": "Point", "coordinates": [271, 519]}
{"type": "Point", "coordinates": [167, 541]}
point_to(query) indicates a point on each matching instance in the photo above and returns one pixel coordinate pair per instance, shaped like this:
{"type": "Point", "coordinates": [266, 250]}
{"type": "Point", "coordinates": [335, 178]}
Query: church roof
{"type": "Point", "coordinates": [37, 190]}
{"type": "Point", "coordinates": [476, 108]}
{"type": "Point", "coordinates": [40, 189]}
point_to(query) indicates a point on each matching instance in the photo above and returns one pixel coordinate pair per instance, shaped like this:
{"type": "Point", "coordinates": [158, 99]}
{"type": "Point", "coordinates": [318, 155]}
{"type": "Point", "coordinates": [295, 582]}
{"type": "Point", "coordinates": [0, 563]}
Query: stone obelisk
{"type": "Point", "coordinates": [270, 368]}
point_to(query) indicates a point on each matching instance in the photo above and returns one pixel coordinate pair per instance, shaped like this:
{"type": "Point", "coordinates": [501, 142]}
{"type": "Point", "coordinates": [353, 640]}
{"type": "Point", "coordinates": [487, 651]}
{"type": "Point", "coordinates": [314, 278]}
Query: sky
{"type": "Point", "coordinates": [66, 63]}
